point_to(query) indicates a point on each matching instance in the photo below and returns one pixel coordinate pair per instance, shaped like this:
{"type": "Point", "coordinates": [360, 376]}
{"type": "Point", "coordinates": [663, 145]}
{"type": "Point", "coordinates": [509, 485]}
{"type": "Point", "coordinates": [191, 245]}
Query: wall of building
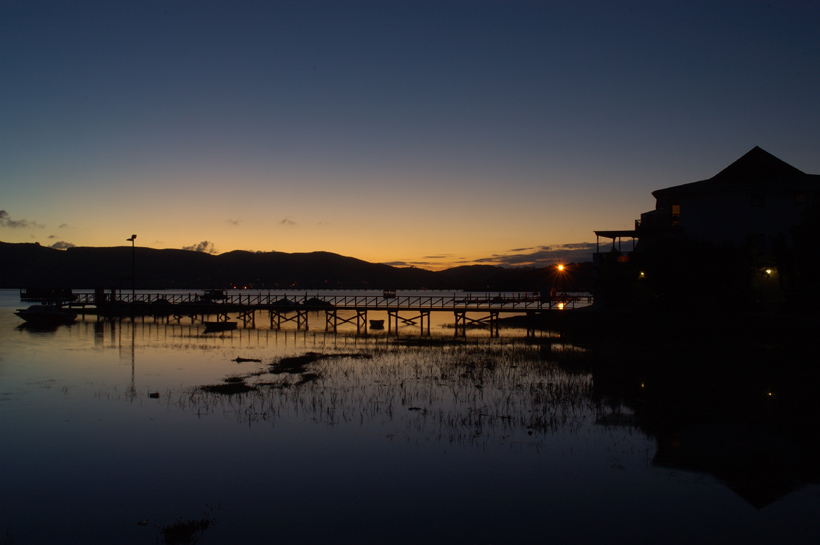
{"type": "Point", "coordinates": [733, 217]}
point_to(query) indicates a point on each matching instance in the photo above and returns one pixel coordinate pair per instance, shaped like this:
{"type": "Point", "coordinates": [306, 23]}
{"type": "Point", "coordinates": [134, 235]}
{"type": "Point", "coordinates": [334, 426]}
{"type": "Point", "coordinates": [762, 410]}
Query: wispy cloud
{"type": "Point", "coordinates": [62, 245]}
{"type": "Point", "coordinates": [204, 247]}
{"type": "Point", "coordinates": [287, 221]}
{"type": "Point", "coordinates": [440, 256]}
{"type": "Point", "coordinates": [6, 221]}
{"type": "Point", "coordinates": [535, 256]}
{"type": "Point", "coordinates": [542, 256]}
{"type": "Point", "coordinates": [233, 221]}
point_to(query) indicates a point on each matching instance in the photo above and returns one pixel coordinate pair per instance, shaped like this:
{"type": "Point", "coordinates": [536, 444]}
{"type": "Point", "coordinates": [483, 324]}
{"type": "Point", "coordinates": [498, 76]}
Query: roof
{"type": "Point", "coordinates": [758, 169]}
{"type": "Point", "coordinates": [617, 234]}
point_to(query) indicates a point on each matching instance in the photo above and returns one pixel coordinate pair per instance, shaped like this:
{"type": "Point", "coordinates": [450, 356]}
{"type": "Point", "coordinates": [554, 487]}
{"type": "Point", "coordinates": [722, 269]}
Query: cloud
{"type": "Point", "coordinates": [233, 222]}
{"type": "Point", "coordinates": [542, 256]}
{"type": "Point", "coordinates": [63, 226]}
{"type": "Point", "coordinates": [6, 221]}
{"type": "Point", "coordinates": [204, 247]}
{"type": "Point", "coordinates": [287, 221]}
{"type": "Point", "coordinates": [440, 256]}
{"type": "Point", "coordinates": [536, 256]}
{"type": "Point", "coordinates": [62, 245]}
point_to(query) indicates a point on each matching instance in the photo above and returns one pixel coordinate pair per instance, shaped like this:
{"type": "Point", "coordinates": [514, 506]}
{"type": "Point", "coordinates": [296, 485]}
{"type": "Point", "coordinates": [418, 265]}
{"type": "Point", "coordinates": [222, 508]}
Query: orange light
{"type": "Point", "coordinates": [560, 267]}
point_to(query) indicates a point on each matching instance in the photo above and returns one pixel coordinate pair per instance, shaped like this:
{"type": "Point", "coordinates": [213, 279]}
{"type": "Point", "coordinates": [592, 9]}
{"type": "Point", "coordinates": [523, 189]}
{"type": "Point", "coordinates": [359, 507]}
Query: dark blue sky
{"type": "Point", "coordinates": [418, 132]}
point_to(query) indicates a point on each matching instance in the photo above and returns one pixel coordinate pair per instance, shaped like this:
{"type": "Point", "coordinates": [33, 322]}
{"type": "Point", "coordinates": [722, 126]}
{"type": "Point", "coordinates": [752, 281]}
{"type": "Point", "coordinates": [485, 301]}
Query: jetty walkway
{"type": "Point", "coordinates": [469, 309]}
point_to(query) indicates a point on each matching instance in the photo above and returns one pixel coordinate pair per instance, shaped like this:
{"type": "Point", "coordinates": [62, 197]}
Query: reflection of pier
{"type": "Point", "coordinates": [468, 309]}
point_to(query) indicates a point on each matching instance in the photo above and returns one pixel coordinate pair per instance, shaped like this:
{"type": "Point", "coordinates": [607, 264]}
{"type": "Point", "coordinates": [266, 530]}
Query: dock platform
{"type": "Point", "coordinates": [469, 309]}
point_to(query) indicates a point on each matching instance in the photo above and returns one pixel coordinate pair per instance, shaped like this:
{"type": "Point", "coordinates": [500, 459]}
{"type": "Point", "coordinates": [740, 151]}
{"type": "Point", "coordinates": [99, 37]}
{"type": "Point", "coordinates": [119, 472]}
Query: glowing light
{"type": "Point", "coordinates": [768, 271]}
{"type": "Point", "coordinates": [560, 267]}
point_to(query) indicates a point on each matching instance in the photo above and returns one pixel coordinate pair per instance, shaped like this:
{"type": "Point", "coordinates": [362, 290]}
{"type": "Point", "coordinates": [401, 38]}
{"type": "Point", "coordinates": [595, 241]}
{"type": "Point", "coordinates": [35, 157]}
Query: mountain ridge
{"type": "Point", "coordinates": [32, 265]}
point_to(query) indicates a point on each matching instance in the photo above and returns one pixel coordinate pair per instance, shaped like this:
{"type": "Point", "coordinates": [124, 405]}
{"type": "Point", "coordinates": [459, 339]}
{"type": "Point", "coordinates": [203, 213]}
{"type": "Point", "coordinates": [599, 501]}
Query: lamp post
{"type": "Point", "coordinates": [133, 269]}
{"type": "Point", "coordinates": [561, 279]}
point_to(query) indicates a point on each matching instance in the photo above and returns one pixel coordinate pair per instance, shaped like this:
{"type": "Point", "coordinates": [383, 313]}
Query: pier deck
{"type": "Point", "coordinates": [285, 307]}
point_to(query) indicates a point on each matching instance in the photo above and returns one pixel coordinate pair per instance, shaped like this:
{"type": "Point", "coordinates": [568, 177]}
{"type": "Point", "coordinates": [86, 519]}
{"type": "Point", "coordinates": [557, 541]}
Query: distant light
{"type": "Point", "coordinates": [768, 271]}
{"type": "Point", "coordinates": [560, 267]}
{"type": "Point", "coordinates": [642, 274]}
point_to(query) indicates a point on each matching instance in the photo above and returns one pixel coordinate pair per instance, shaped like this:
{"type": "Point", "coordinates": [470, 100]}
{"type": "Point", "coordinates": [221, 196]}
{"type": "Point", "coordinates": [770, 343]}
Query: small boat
{"type": "Point", "coordinates": [213, 327]}
{"type": "Point", "coordinates": [376, 324]}
{"type": "Point", "coordinates": [46, 315]}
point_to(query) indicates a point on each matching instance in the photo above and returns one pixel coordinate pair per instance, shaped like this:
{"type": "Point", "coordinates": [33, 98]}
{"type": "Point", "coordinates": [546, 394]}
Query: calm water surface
{"type": "Point", "coordinates": [105, 425]}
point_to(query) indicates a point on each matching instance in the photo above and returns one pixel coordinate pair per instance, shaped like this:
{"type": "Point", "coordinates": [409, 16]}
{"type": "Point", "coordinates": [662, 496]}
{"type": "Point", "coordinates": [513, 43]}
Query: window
{"type": "Point", "coordinates": [675, 215]}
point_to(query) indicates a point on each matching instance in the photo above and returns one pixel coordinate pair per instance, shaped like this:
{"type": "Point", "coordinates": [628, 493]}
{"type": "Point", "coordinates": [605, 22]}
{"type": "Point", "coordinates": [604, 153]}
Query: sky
{"type": "Point", "coordinates": [413, 133]}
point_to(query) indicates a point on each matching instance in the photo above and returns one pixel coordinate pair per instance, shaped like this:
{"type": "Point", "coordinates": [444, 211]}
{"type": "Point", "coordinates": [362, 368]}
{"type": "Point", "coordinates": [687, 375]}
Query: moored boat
{"type": "Point", "coordinates": [46, 315]}
{"type": "Point", "coordinates": [376, 324]}
{"type": "Point", "coordinates": [212, 327]}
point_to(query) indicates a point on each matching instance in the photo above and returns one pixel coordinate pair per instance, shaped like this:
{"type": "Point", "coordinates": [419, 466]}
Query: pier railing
{"type": "Point", "coordinates": [319, 301]}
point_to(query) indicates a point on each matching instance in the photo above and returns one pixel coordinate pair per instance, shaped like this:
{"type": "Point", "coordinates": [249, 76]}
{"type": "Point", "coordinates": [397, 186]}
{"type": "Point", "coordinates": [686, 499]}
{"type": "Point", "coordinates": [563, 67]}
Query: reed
{"type": "Point", "coordinates": [464, 393]}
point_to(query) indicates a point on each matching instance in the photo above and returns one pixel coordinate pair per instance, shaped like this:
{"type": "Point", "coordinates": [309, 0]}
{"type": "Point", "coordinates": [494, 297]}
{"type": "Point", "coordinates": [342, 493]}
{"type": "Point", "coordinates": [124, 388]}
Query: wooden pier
{"type": "Point", "coordinates": [280, 308]}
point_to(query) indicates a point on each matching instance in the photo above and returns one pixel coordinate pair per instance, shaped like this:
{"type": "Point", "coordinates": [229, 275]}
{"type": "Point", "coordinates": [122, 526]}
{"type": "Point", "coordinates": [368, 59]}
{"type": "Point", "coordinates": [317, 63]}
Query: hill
{"type": "Point", "coordinates": [32, 265]}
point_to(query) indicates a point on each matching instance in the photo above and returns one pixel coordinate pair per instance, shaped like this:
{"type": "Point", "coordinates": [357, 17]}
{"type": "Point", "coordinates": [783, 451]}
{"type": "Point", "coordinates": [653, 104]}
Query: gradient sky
{"type": "Point", "coordinates": [425, 133]}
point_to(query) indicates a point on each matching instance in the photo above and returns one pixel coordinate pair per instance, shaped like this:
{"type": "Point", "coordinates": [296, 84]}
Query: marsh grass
{"type": "Point", "coordinates": [458, 392]}
{"type": "Point", "coordinates": [184, 532]}
{"type": "Point", "coordinates": [230, 386]}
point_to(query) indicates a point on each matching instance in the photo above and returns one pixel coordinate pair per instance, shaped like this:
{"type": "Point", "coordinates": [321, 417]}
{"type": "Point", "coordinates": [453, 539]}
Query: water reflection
{"type": "Point", "coordinates": [520, 393]}
{"type": "Point", "coordinates": [744, 414]}
{"type": "Point", "coordinates": [41, 327]}
{"type": "Point", "coordinates": [479, 440]}
{"type": "Point", "coordinates": [456, 394]}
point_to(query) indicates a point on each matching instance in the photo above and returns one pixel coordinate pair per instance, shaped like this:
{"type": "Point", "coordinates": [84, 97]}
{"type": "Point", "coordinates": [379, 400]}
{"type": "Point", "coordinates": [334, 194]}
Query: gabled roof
{"type": "Point", "coordinates": [756, 170]}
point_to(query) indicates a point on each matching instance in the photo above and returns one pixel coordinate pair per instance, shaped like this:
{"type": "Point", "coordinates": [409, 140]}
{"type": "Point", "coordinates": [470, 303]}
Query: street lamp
{"type": "Point", "coordinates": [561, 279]}
{"type": "Point", "coordinates": [133, 268]}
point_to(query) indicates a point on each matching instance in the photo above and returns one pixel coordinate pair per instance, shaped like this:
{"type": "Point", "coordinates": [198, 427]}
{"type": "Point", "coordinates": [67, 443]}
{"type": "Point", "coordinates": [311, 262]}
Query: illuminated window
{"type": "Point", "coordinates": [675, 215]}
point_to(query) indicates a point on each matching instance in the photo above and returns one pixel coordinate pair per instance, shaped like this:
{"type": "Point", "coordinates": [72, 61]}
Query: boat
{"type": "Point", "coordinates": [46, 315]}
{"type": "Point", "coordinates": [213, 327]}
{"type": "Point", "coordinates": [376, 324]}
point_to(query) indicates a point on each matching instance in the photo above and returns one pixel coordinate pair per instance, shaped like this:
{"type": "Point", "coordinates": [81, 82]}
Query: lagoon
{"type": "Point", "coordinates": [144, 432]}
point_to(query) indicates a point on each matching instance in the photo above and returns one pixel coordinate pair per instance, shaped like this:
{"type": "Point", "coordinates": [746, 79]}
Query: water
{"type": "Point", "coordinates": [104, 426]}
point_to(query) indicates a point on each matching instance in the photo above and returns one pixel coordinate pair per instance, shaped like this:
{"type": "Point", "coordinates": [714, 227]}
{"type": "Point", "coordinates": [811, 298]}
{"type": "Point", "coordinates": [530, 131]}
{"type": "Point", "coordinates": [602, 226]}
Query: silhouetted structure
{"type": "Point", "coordinates": [749, 203]}
{"type": "Point", "coordinates": [744, 217]}
{"type": "Point", "coordinates": [414, 309]}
